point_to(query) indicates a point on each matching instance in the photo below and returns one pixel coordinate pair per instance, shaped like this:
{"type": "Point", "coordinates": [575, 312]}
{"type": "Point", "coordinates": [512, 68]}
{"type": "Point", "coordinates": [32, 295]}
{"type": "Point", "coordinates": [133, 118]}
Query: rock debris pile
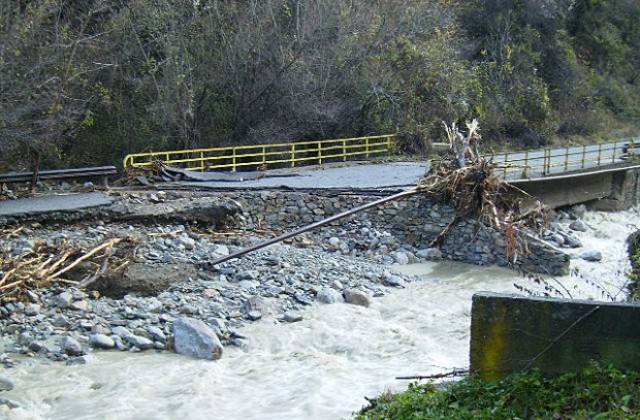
{"type": "Point", "coordinates": [170, 280]}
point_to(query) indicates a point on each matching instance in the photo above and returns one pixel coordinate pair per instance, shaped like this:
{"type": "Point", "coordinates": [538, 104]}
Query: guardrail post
{"type": "Point", "coordinates": [319, 153]}
{"type": "Point", "coordinates": [202, 166]}
{"type": "Point", "coordinates": [615, 149]}
{"type": "Point", "coordinates": [506, 159]}
{"type": "Point", "coordinates": [293, 155]}
{"type": "Point", "coordinates": [366, 147]}
{"type": "Point", "coordinates": [264, 156]}
{"type": "Point", "coordinates": [344, 150]}
{"type": "Point", "coordinates": [566, 159]}
{"type": "Point", "coordinates": [584, 155]}
{"type": "Point", "coordinates": [547, 162]}
{"type": "Point", "coordinates": [233, 158]}
{"type": "Point", "coordinates": [600, 153]}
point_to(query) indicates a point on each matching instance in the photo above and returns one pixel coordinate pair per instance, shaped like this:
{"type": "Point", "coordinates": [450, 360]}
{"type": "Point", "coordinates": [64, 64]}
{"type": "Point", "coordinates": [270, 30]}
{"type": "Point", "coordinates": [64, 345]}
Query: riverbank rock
{"type": "Point", "coordinates": [71, 346]}
{"type": "Point", "coordinates": [6, 383]}
{"type": "Point", "coordinates": [292, 316]}
{"type": "Point", "coordinates": [194, 338]}
{"type": "Point", "coordinates": [394, 281]}
{"type": "Point", "coordinates": [7, 402]}
{"type": "Point", "coordinates": [429, 254]}
{"type": "Point", "coordinates": [101, 341]}
{"type": "Point", "coordinates": [593, 256]}
{"type": "Point", "coordinates": [357, 297]}
{"type": "Point", "coordinates": [328, 295]}
{"type": "Point", "coordinates": [578, 225]}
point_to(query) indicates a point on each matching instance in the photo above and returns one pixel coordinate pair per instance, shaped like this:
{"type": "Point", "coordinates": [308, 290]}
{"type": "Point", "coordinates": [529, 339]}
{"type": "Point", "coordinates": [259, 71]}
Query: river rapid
{"type": "Point", "coordinates": [321, 367]}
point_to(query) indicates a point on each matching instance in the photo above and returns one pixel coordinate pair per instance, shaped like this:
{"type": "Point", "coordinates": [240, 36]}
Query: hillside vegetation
{"type": "Point", "coordinates": [84, 82]}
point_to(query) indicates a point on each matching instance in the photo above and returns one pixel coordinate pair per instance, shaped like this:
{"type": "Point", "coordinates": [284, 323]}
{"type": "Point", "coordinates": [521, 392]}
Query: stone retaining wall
{"type": "Point", "coordinates": [415, 221]}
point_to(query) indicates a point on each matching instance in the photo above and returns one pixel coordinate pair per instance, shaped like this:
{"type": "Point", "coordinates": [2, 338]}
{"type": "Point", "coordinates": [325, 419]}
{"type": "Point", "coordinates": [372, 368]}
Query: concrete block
{"type": "Point", "coordinates": [511, 333]}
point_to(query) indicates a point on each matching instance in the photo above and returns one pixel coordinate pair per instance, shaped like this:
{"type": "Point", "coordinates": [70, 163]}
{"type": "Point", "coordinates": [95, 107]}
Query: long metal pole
{"type": "Point", "coordinates": [315, 225]}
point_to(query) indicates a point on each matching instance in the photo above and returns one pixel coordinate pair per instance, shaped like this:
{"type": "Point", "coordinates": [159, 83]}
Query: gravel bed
{"type": "Point", "coordinates": [171, 277]}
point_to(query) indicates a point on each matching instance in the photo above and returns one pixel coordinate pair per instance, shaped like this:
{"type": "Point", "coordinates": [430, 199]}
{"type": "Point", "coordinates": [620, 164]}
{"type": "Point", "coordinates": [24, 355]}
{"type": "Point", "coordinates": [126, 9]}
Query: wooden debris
{"type": "Point", "coordinates": [452, 374]}
{"type": "Point", "coordinates": [476, 192]}
{"type": "Point", "coordinates": [22, 275]}
{"type": "Point", "coordinates": [469, 184]}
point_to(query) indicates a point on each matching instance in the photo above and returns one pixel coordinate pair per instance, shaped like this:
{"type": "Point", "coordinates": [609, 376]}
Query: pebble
{"type": "Point", "coordinates": [142, 343]}
{"type": "Point", "coordinates": [32, 310]}
{"type": "Point", "coordinates": [79, 305]}
{"type": "Point", "coordinates": [63, 300]}
{"type": "Point", "coordinates": [157, 334]}
{"type": "Point", "coordinates": [254, 315]}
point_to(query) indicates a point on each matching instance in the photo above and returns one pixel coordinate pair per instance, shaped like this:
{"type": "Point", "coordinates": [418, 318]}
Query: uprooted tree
{"type": "Point", "coordinates": [469, 183]}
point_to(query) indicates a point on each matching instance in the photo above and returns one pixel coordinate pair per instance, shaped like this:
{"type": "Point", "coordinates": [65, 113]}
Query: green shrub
{"type": "Point", "coordinates": [595, 393]}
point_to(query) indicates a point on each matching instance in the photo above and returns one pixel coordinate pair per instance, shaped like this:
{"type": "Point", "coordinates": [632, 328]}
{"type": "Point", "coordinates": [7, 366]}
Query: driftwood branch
{"type": "Point", "coordinates": [441, 237]}
{"type": "Point", "coordinates": [452, 374]}
{"type": "Point", "coordinates": [86, 256]}
{"type": "Point", "coordinates": [45, 264]}
{"type": "Point", "coordinates": [99, 272]}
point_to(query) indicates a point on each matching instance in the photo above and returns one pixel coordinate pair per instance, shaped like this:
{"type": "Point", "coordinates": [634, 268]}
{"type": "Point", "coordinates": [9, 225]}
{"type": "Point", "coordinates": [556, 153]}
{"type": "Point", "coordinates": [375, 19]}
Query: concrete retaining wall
{"type": "Point", "coordinates": [567, 191]}
{"type": "Point", "coordinates": [624, 192]}
{"type": "Point", "coordinates": [415, 221]}
{"type": "Point", "coordinates": [513, 333]}
{"type": "Point", "coordinates": [610, 191]}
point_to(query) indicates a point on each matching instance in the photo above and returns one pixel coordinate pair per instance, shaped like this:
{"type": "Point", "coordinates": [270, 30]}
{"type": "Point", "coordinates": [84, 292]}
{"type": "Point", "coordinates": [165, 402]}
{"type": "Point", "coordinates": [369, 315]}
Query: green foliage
{"type": "Point", "coordinates": [634, 274]}
{"type": "Point", "coordinates": [595, 393]}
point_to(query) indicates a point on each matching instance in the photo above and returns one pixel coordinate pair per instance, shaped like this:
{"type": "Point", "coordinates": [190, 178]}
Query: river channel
{"type": "Point", "coordinates": [321, 367]}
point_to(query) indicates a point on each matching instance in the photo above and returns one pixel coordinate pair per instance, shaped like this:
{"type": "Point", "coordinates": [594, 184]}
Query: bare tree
{"type": "Point", "coordinates": [50, 53]}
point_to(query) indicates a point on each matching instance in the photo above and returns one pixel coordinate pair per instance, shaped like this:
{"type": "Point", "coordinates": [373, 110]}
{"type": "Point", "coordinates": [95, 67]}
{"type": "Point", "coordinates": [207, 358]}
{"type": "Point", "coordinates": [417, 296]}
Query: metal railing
{"type": "Point", "coordinates": [262, 156]}
{"type": "Point", "coordinates": [101, 172]}
{"type": "Point", "coordinates": [546, 162]}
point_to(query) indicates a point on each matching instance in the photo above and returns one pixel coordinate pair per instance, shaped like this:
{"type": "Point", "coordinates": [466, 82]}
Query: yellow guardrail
{"type": "Point", "coordinates": [545, 162]}
{"type": "Point", "coordinates": [261, 156]}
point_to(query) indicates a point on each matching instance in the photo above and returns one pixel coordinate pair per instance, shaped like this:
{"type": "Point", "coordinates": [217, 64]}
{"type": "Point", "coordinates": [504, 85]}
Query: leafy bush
{"type": "Point", "coordinates": [595, 393]}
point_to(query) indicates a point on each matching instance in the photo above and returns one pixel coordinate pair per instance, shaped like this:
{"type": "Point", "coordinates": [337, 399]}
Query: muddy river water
{"type": "Point", "coordinates": [319, 368]}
